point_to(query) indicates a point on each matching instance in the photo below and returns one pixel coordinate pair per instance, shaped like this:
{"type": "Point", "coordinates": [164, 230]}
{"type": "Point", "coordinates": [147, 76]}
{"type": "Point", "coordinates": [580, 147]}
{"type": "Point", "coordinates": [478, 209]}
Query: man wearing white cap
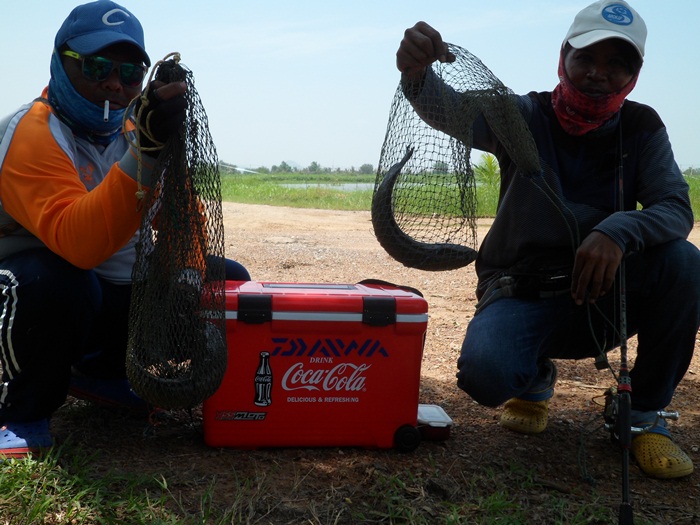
{"type": "Point", "coordinates": [588, 135]}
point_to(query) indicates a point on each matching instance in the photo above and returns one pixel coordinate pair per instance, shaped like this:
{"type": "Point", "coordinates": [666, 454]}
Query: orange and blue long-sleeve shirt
{"type": "Point", "coordinates": [64, 192]}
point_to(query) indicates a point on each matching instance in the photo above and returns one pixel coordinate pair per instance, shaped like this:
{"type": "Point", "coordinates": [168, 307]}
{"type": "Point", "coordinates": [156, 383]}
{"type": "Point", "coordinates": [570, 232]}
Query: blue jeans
{"type": "Point", "coordinates": [509, 343]}
{"type": "Point", "coordinates": [52, 315]}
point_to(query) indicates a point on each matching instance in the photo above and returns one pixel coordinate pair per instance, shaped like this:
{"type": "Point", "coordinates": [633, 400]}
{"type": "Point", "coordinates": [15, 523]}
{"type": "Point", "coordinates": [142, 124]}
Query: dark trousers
{"type": "Point", "coordinates": [53, 315]}
{"type": "Point", "coordinates": [509, 341]}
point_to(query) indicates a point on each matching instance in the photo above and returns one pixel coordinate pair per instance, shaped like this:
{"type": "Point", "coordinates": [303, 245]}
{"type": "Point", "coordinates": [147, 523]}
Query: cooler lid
{"type": "Point", "coordinates": [372, 304]}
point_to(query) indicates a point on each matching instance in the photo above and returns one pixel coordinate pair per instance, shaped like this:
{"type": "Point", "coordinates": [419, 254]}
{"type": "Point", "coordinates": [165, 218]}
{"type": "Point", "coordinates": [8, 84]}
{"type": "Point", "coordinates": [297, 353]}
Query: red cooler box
{"type": "Point", "coordinates": [319, 365]}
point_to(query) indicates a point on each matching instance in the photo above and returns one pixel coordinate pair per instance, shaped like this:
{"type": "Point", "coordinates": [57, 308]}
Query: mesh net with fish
{"type": "Point", "coordinates": [424, 205]}
{"type": "Point", "coordinates": [176, 355]}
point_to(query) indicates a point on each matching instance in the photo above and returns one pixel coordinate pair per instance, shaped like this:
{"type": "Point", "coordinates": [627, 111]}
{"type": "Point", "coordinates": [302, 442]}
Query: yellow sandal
{"type": "Point", "coordinates": [526, 417]}
{"type": "Point", "coordinates": [659, 457]}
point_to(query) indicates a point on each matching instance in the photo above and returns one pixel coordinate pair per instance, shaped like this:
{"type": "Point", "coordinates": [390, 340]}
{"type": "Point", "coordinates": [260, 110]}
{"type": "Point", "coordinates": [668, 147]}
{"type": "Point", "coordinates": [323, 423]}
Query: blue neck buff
{"type": "Point", "coordinates": [82, 116]}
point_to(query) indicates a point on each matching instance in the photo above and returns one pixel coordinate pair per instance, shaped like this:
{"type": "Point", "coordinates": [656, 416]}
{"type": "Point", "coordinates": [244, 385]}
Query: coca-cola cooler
{"type": "Point", "coordinates": [319, 365]}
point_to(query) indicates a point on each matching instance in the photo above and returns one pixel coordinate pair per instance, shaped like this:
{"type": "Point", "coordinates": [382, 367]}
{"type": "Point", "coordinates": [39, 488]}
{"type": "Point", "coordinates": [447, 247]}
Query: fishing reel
{"type": "Point", "coordinates": [611, 415]}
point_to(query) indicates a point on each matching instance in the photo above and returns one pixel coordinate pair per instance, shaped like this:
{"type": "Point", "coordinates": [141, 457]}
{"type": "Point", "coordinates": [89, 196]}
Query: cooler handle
{"type": "Point", "coordinates": [379, 282]}
{"type": "Point", "coordinates": [255, 309]}
{"type": "Point", "coordinates": [378, 311]}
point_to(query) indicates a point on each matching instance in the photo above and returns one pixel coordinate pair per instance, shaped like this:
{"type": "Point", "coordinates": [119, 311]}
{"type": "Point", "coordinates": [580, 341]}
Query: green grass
{"type": "Point", "coordinates": [268, 189]}
{"type": "Point", "coordinates": [694, 183]}
{"type": "Point", "coordinates": [52, 491]}
{"type": "Point", "coordinates": [66, 488]}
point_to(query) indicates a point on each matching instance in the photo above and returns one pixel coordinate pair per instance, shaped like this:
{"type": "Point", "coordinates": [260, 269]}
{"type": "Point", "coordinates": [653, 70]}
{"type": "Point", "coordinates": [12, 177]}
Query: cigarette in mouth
{"type": "Point", "coordinates": [106, 113]}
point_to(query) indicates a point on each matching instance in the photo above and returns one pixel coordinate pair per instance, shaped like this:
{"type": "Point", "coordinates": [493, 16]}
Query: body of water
{"type": "Point", "coordinates": [346, 186]}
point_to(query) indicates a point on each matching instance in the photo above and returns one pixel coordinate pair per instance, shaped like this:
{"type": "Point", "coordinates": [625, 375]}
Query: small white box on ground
{"type": "Point", "coordinates": [433, 422]}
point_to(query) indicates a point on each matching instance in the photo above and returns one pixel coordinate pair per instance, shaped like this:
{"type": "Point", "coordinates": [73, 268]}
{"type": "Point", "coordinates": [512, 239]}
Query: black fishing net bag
{"type": "Point", "coordinates": [177, 355]}
{"type": "Point", "coordinates": [424, 205]}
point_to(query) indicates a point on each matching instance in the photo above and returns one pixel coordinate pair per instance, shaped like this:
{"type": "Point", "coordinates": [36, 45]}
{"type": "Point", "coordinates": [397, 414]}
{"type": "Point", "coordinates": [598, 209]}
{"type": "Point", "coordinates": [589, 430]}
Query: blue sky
{"type": "Point", "coordinates": [314, 80]}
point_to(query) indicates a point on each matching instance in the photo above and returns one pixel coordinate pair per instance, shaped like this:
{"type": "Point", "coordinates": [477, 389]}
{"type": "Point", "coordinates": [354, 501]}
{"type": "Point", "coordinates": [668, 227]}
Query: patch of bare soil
{"type": "Point", "coordinates": [572, 464]}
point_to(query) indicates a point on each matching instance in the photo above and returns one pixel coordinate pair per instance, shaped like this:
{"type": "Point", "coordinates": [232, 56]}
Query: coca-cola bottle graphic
{"type": "Point", "coordinates": [263, 381]}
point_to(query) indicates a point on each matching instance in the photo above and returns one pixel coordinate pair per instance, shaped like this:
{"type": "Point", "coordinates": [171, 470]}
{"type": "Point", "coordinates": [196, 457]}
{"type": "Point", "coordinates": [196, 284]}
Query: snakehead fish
{"type": "Point", "coordinates": [401, 246]}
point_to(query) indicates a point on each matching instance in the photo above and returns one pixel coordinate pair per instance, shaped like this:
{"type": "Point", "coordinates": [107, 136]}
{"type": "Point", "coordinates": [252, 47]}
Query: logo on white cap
{"type": "Point", "coordinates": [105, 17]}
{"type": "Point", "coordinates": [618, 14]}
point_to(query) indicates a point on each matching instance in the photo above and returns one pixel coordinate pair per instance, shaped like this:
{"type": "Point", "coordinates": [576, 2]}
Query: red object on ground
{"type": "Point", "coordinates": [319, 365]}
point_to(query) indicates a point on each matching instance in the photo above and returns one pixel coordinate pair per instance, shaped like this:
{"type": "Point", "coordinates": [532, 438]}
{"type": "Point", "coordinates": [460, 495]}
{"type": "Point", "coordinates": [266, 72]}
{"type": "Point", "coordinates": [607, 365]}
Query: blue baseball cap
{"type": "Point", "coordinates": [96, 25]}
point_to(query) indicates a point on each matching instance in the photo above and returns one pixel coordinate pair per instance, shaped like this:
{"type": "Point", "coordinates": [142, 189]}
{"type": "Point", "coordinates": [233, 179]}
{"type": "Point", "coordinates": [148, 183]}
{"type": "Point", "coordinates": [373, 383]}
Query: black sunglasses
{"type": "Point", "coordinates": [98, 69]}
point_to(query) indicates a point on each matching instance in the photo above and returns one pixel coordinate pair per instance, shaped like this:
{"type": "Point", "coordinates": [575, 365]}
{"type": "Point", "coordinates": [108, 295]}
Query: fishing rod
{"type": "Point", "coordinates": [618, 407]}
{"type": "Point", "coordinates": [624, 382]}
{"type": "Point", "coordinates": [624, 392]}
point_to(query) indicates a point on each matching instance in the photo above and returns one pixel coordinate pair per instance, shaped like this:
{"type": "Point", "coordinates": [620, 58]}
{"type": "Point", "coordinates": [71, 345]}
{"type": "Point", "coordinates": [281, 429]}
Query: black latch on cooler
{"type": "Point", "coordinates": [378, 311]}
{"type": "Point", "coordinates": [255, 309]}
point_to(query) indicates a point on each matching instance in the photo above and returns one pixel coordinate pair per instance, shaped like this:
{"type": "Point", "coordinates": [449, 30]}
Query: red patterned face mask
{"type": "Point", "coordinates": [577, 112]}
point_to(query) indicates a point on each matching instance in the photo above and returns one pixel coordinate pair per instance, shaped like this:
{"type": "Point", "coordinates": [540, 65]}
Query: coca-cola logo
{"type": "Point", "coordinates": [346, 377]}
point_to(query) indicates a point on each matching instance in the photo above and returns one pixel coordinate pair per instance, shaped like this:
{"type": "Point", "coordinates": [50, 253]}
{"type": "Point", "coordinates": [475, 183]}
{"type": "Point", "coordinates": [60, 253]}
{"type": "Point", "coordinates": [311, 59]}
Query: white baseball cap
{"type": "Point", "coordinates": [607, 19]}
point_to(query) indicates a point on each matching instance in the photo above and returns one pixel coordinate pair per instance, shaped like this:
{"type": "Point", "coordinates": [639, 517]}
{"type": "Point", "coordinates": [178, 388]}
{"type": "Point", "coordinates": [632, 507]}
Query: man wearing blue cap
{"type": "Point", "coordinates": [68, 223]}
{"type": "Point", "coordinates": [591, 141]}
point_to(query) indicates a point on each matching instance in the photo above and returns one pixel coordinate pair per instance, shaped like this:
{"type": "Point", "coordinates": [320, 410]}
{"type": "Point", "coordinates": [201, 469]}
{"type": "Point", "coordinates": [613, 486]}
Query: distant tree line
{"type": "Point", "coordinates": [314, 167]}
{"type": "Point", "coordinates": [487, 168]}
